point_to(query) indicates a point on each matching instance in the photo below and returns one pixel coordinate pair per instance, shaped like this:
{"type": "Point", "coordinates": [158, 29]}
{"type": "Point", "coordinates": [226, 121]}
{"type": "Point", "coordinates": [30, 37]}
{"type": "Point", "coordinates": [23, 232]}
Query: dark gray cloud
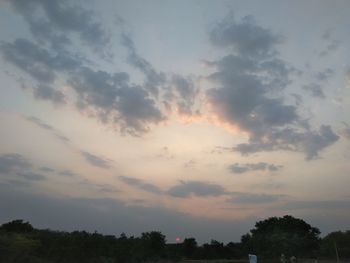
{"type": "Point", "coordinates": [46, 92]}
{"type": "Point", "coordinates": [26, 56]}
{"type": "Point", "coordinates": [40, 123]}
{"type": "Point", "coordinates": [95, 160]}
{"type": "Point", "coordinates": [251, 198]}
{"type": "Point", "coordinates": [315, 90]}
{"type": "Point", "coordinates": [16, 164]}
{"type": "Point", "coordinates": [261, 166]}
{"type": "Point", "coordinates": [309, 142]}
{"type": "Point", "coordinates": [140, 184]}
{"type": "Point", "coordinates": [187, 188]}
{"type": "Point", "coordinates": [104, 188]}
{"type": "Point", "coordinates": [47, 127]}
{"type": "Point", "coordinates": [12, 163]}
{"type": "Point", "coordinates": [98, 88]}
{"type": "Point", "coordinates": [46, 169]}
{"type": "Point", "coordinates": [31, 175]}
{"type": "Point", "coordinates": [154, 80]}
{"type": "Point", "coordinates": [116, 100]}
{"type": "Point", "coordinates": [68, 173]}
{"type": "Point", "coordinates": [325, 74]}
{"type": "Point", "coordinates": [331, 44]}
{"type": "Point", "coordinates": [38, 62]}
{"type": "Point", "coordinates": [331, 47]}
{"type": "Point", "coordinates": [109, 96]}
{"type": "Point", "coordinates": [52, 21]}
{"type": "Point", "coordinates": [183, 189]}
{"type": "Point", "coordinates": [185, 94]}
{"type": "Point", "coordinates": [315, 205]}
{"type": "Point", "coordinates": [245, 37]}
{"type": "Point", "coordinates": [112, 216]}
{"type": "Point", "coordinates": [244, 99]}
{"type": "Point", "coordinates": [248, 82]}
{"type": "Point", "coordinates": [94, 186]}
{"type": "Point", "coordinates": [16, 183]}
{"type": "Point", "coordinates": [42, 65]}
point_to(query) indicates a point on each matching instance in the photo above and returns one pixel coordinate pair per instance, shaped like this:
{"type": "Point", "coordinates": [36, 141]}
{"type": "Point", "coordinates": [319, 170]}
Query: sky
{"type": "Point", "coordinates": [194, 118]}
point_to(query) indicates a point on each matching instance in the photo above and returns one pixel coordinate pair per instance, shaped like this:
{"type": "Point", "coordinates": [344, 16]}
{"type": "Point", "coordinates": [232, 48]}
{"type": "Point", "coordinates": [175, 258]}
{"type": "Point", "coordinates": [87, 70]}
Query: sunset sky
{"type": "Point", "coordinates": [194, 118]}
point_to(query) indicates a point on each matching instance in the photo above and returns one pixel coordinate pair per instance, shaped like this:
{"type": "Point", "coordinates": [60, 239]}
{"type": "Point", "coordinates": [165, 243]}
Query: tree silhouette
{"type": "Point", "coordinates": [189, 246]}
{"type": "Point", "coordinates": [288, 235]}
{"type": "Point", "coordinates": [17, 226]}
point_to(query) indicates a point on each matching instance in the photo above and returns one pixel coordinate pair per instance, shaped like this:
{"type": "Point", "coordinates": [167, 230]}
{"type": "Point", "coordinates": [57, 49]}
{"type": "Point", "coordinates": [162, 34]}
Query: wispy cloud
{"type": "Point", "coordinates": [140, 184]}
{"type": "Point", "coordinates": [253, 198]}
{"type": "Point", "coordinates": [95, 160]}
{"type": "Point", "coordinates": [197, 188]}
{"type": "Point", "coordinates": [47, 127]}
{"type": "Point", "coordinates": [16, 165]}
{"type": "Point", "coordinates": [247, 167]}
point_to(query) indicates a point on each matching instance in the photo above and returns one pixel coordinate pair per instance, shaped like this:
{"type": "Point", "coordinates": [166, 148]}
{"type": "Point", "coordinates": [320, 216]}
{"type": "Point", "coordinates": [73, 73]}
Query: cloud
{"type": "Point", "coordinates": [41, 65]}
{"type": "Point", "coordinates": [94, 186]}
{"type": "Point", "coordinates": [51, 22]}
{"type": "Point", "coordinates": [315, 90]}
{"type": "Point", "coordinates": [46, 92]}
{"type": "Point", "coordinates": [38, 62]}
{"type": "Point", "coordinates": [104, 188]}
{"type": "Point", "coordinates": [246, 37]}
{"type": "Point", "coordinates": [67, 173]}
{"type": "Point", "coordinates": [248, 93]}
{"type": "Point", "coordinates": [47, 127]}
{"type": "Point", "coordinates": [16, 164]}
{"type": "Point", "coordinates": [190, 164]}
{"type": "Point", "coordinates": [311, 143]}
{"type": "Point", "coordinates": [110, 97]}
{"type": "Point", "coordinates": [113, 216]}
{"type": "Point", "coordinates": [332, 44]}
{"type": "Point", "coordinates": [95, 160]}
{"type": "Point", "coordinates": [116, 100]}
{"type": "Point", "coordinates": [325, 75]}
{"type": "Point", "coordinates": [202, 189]}
{"type": "Point", "coordinates": [185, 94]}
{"type": "Point", "coordinates": [165, 154]}
{"type": "Point", "coordinates": [315, 205]}
{"type": "Point", "coordinates": [11, 163]}
{"type": "Point", "coordinates": [182, 190]}
{"type": "Point", "coordinates": [138, 183]}
{"type": "Point", "coordinates": [243, 97]}
{"type": "Point", "coordinates": [262, 166]}
{"type": "Point", "coordinates": [15, 183]}
{"type": "Point", "coordinates": [46, 169]}
{"type": "Point", "coordinates": [154, 80]}
{"type": "Point", "coordinates": [31, 175]}
{"type": "Point", "coordinates": [346, 131]}
{"type": "Point", "coordinates": [251, 198]}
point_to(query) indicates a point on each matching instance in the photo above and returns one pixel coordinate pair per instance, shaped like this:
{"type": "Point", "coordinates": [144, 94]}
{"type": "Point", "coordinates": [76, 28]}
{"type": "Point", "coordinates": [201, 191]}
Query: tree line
{"type": "Point", "coordinates": [21, 242]}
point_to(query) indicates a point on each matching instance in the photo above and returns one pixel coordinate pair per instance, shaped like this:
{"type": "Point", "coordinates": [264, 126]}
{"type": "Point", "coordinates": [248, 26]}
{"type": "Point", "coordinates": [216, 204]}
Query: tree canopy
{"type": "Point", "coordinates": [20, 242]}
{"type": "Point", "coordinates": [288, 235]}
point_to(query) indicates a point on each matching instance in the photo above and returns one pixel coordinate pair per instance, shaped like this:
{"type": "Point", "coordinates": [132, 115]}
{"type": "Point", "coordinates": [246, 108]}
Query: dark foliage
{"type": "Point", "coordinates": [288, 235]}
{"type": "Point", "coordinates": [20, 242]}
{"type": "Point", "coordinates": [336, 242]}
